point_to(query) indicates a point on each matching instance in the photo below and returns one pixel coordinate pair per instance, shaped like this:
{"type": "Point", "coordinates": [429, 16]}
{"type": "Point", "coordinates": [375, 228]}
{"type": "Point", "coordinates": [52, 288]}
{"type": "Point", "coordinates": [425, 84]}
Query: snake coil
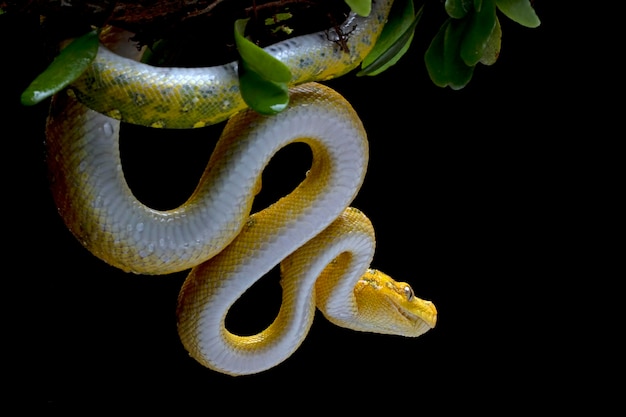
{"type": "Point", "coordinates": [324, 246]}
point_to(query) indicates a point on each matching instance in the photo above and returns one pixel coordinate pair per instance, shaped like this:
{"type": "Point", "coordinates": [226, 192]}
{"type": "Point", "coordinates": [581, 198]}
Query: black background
{"type": "Point", "coordinates": [463, 191]}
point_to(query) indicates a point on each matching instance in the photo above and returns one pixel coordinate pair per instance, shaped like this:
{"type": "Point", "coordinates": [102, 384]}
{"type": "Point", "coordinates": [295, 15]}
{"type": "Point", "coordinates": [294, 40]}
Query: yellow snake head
{"type": "Point", "coordinates": [390, 307]}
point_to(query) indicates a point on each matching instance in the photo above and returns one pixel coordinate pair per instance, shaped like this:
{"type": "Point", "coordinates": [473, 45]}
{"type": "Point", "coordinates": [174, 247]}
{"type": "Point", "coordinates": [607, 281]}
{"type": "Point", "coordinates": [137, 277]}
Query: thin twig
{"type": "Point", "coordinates": [205, 10]}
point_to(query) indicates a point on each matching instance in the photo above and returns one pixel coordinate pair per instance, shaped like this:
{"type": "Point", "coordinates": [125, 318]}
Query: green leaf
{"type": "Point", "coordinates": [458, 9]}
{"type": "Point", "coordinates": [264, 96]}
{"type": "Point", "coordinates": [394, 40]}
{"type": "Point", "coordinates": [482, 21]}
{"type": "Point", "coordinates": [278, 17]}
{"type": "Point", "coordinates": [360, 7]}
{"type": "Point", "coordinates": [520, 11]}
{"type": "Point", "coordinates": [263, 79]}
{"type": "Point", "coordinates": [443, 62]}
{"type": "Point", "coordinates": [66, 67]}
{"type": "Point", "coordinates": [492, 49]}
{"type": "Point", "coordinates": [257, 59]}
{"type": "Point", "coordinates": [162, 53]}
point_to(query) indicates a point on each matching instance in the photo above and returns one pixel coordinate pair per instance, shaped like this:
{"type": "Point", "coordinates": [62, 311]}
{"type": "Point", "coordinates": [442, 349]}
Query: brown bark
{"type": "Point", "coordinates": [146, 12]}
{"type": "Point", "coordinates": [204, 27]}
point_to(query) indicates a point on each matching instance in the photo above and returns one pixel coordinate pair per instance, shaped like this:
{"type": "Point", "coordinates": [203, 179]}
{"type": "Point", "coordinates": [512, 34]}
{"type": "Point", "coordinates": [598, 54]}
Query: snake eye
{"type": "Point", "coordinates": [408, 292]}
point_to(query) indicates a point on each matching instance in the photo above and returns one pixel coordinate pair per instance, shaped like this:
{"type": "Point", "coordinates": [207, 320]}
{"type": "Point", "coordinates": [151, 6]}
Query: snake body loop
{"type": "Point", "coordinates": [195, 97]}
{"type": "Point", "coordinates": [99, 208]}
{"type": "Point", "coordinates": [324, 246]}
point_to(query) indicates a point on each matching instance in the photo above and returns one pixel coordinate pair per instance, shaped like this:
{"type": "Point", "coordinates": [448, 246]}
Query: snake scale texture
{"type": "Point", "coordinates": [324, 246]}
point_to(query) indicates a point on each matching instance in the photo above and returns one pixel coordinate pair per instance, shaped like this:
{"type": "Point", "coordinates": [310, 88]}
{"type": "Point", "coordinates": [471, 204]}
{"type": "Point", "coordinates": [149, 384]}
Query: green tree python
{"type": "Point", "coordinates": [323, 246]}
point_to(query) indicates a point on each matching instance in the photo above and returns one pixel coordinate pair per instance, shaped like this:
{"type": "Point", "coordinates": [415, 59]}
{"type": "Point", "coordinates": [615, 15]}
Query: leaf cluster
{"type": "Point", "coordinates": [471, 35]}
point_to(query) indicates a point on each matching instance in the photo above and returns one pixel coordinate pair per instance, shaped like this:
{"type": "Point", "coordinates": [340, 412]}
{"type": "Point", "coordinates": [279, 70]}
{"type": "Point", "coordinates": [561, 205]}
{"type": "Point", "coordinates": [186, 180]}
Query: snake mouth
{"type": "Point", "coordinates": [426, 314]}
